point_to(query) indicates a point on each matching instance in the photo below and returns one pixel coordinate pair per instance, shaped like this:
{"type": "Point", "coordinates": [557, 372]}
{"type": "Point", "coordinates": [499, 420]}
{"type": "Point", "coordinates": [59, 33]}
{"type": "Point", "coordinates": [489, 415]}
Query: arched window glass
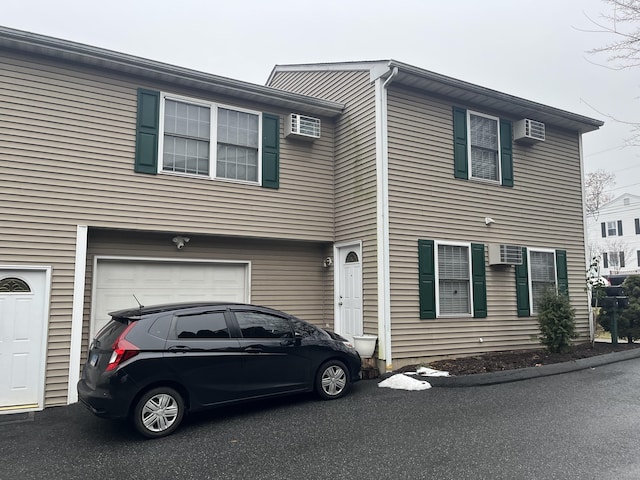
{"type": "Point", "coordinates": [13, 285]}
{"type": "Point", "coordinates": [352, 257]}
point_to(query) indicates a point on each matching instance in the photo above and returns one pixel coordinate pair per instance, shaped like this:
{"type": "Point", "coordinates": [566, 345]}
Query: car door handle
{"type": "Point", "coordinates": [179, 348]}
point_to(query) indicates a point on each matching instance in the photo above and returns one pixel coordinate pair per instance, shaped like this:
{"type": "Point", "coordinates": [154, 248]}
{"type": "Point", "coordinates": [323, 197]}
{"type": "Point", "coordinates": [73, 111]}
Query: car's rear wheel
{"type": "Point", "coordinates": [158, 412]}
{"type": "Point", "coordinates": [332, 380]}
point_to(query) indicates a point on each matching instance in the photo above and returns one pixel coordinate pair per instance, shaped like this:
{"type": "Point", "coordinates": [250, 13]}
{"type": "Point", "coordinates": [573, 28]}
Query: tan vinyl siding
{"type": "Point", "coordinates": [355, 166]}
{"type": "Point", "coordinates": [543, 209]}
{"type": "Point", "coordinates": [69, 138]}
{"type": "Point", "coordinates": [288, 276]}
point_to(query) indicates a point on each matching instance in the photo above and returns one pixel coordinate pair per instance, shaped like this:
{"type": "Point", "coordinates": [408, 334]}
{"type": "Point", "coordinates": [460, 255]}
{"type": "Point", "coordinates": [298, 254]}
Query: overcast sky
{"type": "Point", "coordinates": [535, 49]}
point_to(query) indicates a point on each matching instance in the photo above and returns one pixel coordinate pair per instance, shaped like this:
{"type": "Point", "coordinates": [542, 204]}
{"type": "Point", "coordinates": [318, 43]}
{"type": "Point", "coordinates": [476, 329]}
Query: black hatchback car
{"type": "Point", "coordinates": [153, 364]}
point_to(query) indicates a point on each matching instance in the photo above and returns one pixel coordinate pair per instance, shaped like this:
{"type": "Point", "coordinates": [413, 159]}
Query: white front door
{"type": "Point", "coordinates": [349, 291]}
{"type": "Point", "coordinates": [22, 331]}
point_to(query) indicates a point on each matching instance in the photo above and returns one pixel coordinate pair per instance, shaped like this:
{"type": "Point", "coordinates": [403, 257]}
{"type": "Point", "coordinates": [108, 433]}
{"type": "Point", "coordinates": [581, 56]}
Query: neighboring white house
{"type": "Point", "coordinates": [614, 235]}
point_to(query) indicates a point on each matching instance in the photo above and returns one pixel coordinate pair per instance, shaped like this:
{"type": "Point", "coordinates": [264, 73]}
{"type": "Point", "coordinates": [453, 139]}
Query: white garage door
{"type": "Point", "coordinates": [154, 282]}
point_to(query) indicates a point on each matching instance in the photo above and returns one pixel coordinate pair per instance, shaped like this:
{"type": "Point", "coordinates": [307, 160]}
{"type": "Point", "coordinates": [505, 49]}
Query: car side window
{"type": "Point", "coordinates": [263, 325]}
{"type": "Point", "coordinates": [202, 325]}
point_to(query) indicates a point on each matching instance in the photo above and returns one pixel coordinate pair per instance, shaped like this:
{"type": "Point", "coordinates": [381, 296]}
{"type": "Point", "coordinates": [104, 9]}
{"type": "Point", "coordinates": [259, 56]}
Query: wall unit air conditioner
{"type": "Point", "coordinates": [301, 126]}
{"type": "Point", "coordinates": [500, 254]}
{"type": "Point", "coordinates": [528, 131]}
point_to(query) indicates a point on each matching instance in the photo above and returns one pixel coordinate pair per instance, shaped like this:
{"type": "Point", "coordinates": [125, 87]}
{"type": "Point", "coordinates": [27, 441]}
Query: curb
{"type": "Point", "coordinates": [516, 375]}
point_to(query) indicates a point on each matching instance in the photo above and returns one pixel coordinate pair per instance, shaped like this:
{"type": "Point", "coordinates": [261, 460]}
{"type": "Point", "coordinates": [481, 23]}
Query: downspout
{"type": "Point", "coordinates": [382, 195]}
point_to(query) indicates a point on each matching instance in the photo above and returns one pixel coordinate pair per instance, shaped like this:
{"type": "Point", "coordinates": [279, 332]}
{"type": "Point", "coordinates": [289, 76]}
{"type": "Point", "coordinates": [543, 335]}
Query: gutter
{"type": "Point", "coordinates": [382, 221]}
{"type": "Point", "coordinates": [81, 54]}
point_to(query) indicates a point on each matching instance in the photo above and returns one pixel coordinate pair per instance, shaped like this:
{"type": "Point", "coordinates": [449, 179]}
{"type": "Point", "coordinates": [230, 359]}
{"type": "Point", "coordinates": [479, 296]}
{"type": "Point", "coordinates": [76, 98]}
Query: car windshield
{"type": "Point", "coordinates": [304, 329]}
{"type": "Point", "coordinates": [335, 336]}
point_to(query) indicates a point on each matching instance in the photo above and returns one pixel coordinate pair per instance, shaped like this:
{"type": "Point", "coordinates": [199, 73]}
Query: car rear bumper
{"type": "Point", "coordinates": [100, 401]}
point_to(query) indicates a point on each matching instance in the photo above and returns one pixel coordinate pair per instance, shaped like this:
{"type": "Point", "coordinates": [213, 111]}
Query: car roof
{"type": "Point", "coordinates": [137, 312]}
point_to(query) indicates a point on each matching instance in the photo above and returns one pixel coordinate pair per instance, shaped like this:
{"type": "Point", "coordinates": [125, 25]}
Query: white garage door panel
{"type": "Point", "coordinates": [164, 282]}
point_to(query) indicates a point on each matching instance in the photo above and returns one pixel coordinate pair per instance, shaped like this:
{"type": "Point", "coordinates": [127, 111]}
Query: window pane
{"type": "Point", "coordinates": [543, 267]}
{"type": "Point", "coordinates": [263, 325]}
{"type": "Point", "coordinates": [237, 163]}
{"type": "Point", "coordinates": [185, 155]}
{"type": "Point", "coordinates": [484, 132]}
{"type": "Point", "coordinates": [186, 138]}
{"type": "Point", "coordinates": [484, 164]}
{"type": "Point", "coordinates": [204, 325]}
{"type": "Point", "coordinates": [484, 147]}
{"type": "Point", "coordinates": [186, 119]}
{"type": "Point", "coordinates": [453, 280]}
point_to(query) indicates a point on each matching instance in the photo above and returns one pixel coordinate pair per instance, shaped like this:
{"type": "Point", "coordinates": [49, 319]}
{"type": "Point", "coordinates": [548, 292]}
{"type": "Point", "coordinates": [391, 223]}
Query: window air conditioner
{"type": "Point", "coordinates": [528, 131]}
{"type": "Point", "coordinates": [301, 126]}
{"type": "Point", "coordinates": [500, 254]}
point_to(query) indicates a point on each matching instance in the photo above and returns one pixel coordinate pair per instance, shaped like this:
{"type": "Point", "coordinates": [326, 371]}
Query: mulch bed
{"type": "Point", "coordinates": [512, 359]}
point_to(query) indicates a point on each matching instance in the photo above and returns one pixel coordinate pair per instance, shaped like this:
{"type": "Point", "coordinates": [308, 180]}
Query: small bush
{"type": "Point", "coordinates": [557, 321]}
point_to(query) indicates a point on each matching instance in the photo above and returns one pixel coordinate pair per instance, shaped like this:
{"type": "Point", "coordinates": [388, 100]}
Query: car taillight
{"type": "Point", "coordinates": [123, 350]}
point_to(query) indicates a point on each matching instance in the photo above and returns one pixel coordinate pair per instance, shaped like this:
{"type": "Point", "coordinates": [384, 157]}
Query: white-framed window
{"type": "Point", "coordinates": [453, 279]}
{"type": "Point", "coordinates": [613, 260]}
{"type": "Point", "coordinates": [209, 140]}
{"type": "Point", "coordinates": [612, 229]}
{"type": "Point", "coordinates": [542, 274]}
{"type": "Point", "coordinates": [484, 146]}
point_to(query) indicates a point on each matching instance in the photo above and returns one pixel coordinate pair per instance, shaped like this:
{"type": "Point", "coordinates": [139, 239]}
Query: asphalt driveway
{"type": "Point", "coordinates": [578, 425]}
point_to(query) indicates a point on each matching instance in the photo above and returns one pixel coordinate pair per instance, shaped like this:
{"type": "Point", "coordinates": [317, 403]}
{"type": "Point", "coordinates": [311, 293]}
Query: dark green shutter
{"type": "Point", "coordinates": [506, 153]}
{"type": "Point", "coordinates": [148, 122]}
{"type": "Point", "coordinates": [522, 286]}
{"type": "Point", "coordinates": [426, 279]}
{"type": "Point", "coordinates": [603, 227]}
{"type": "Point", "coordinates": [270, 151]}
{"type": "Point", "coordinates": [461, 165]}
{"type": "Point", "coordinates": [479, 280]}
{"type": "Point", "coordinates": [561, 269]}
{"type": "Point", "coordinates": [619, 228]}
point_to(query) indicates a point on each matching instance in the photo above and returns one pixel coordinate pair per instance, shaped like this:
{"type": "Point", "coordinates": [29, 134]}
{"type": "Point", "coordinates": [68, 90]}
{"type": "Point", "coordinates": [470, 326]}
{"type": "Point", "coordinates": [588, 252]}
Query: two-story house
{"type": "Point", "coordinates": [614, 236]}
{"type": "Point", "coordinates": [372, 198]}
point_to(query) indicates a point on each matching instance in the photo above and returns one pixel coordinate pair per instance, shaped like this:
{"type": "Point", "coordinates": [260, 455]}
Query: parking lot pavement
{"type": "Point", "coordinates": [578, 425]}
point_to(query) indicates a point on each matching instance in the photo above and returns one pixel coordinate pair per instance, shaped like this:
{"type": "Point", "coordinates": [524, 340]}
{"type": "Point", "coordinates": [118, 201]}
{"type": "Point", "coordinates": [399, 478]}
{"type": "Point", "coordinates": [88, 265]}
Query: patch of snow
{"type": "Point", "coordinates": [430, 372]}
{"type": "Point", "coordinates": [401, 381]}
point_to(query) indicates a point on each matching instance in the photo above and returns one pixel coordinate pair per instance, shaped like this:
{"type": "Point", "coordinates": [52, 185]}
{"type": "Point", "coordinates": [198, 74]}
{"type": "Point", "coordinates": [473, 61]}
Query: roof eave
{"type": "Point", "coordinates": [63, 50]}
{"type": "Point", "coordinates": [486, 97]}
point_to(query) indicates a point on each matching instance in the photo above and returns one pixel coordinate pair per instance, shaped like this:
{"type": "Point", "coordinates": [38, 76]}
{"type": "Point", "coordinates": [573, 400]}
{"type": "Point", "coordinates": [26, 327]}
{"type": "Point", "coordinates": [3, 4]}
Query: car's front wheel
{"type": "Point", "coordinates": [332, 380]}
{"type": "Point", "coordinates": [158, 412]}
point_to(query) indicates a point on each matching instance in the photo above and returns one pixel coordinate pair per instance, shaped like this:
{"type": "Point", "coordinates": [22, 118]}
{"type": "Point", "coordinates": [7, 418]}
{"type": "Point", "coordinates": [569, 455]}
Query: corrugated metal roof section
{"type": "Point", "coordinates": [64, 50]}
{"type": "Point", "coordinates": [467, 94]}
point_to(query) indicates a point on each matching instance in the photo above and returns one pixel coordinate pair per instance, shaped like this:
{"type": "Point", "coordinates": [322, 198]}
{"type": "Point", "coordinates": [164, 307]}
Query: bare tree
{"type": "Point", "coordinates": [623, 23]}
{"type": "Point", "coordinates": [596, 194]}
